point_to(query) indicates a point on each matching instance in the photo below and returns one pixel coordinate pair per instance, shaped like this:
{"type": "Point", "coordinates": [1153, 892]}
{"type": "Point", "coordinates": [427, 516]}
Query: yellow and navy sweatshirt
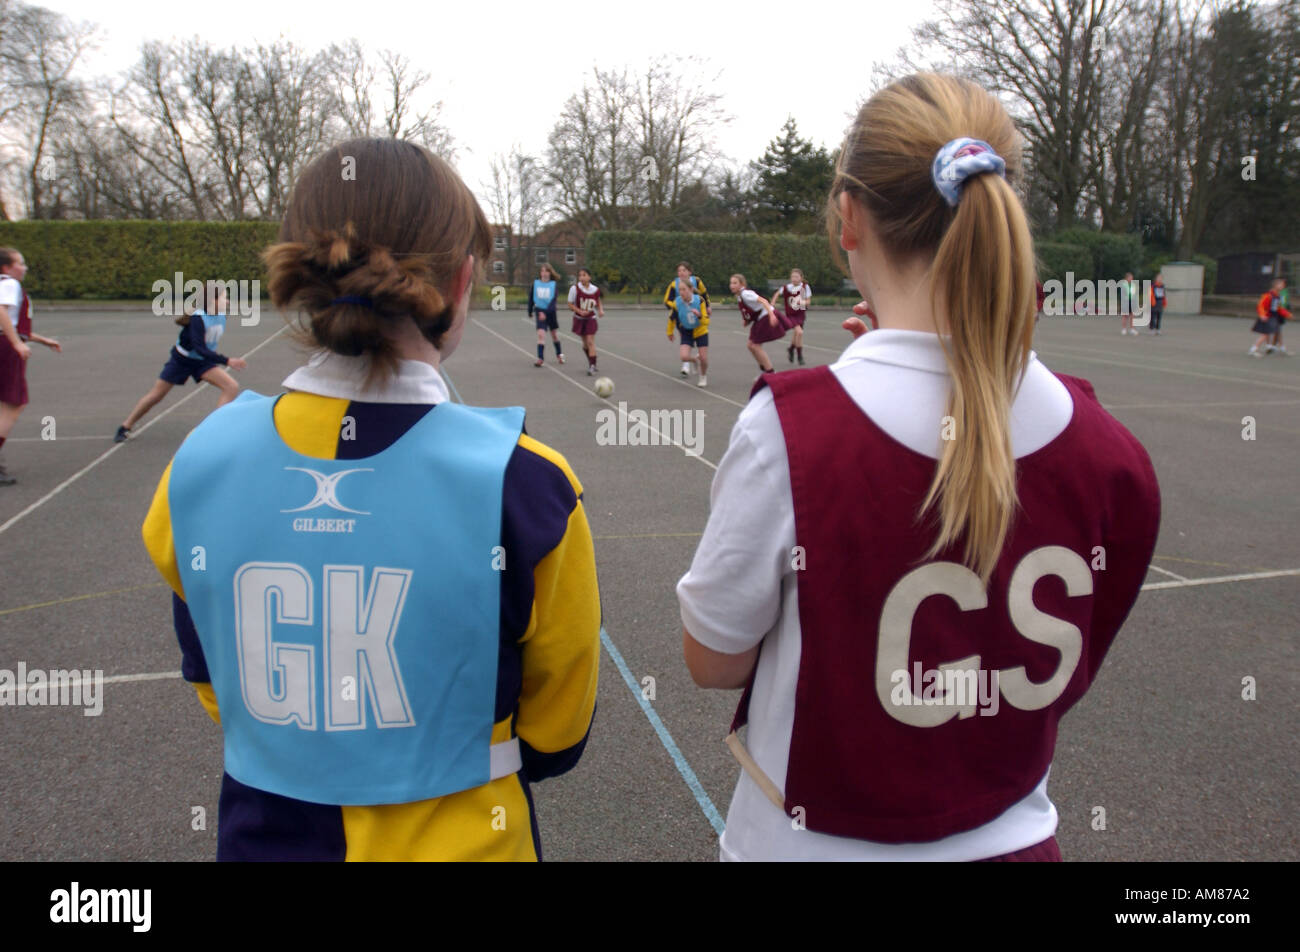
{"type": "Point", "coordinates": [670, 302]}
{"type": "Point", "coordinates": [546, 675]}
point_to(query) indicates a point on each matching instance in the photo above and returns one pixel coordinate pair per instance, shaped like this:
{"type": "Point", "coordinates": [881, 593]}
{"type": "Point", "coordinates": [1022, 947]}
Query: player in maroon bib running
{"type": "Point", "coordinates": [585, 303]}
{"type": "Point", "coordinates": [917, 558]}
{"type": "Point", "coordinates": [796, 294]}
{"type": "Point", "coordinates": [765, 322]}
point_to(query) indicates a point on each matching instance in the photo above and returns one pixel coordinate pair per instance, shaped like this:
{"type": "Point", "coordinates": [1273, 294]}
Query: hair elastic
{"type": "Point", "coordinates": [354, 299]}
{"type": "Point", "coordinates": [958, 161]}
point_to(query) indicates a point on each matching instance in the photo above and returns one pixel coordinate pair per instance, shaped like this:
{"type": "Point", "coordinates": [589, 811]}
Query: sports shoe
{"type": "Point", "coordinates": [5, 478]}
{"type": "Point", "coordinates": [686, 369]}
{"type": "Point", "coordinates": [1254, 353]}
{"type": "Point", "coordinates": [590, 370]}
{"type": "Point", "coordinates": [704, 381]}
{"type": "Point", "coordinates": [560, 358]}
{"type": "Point", "coordinates": [801, 360]}
{"type": "Point", "coordinates": [790, 352]}
{"type": "Point", "coordinates": [538, 362]}
{"type": "Point", "coordinates": [594, 370]}
{"type": "Point", "coordinates": [122, 435]}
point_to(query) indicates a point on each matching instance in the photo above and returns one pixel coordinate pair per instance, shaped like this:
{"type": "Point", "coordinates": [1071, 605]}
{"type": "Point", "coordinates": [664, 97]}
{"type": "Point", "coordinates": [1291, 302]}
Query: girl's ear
{"type": "Point", "coordinates": [849, 222]}
{"type": "Point", "coordinates": [463, 278]}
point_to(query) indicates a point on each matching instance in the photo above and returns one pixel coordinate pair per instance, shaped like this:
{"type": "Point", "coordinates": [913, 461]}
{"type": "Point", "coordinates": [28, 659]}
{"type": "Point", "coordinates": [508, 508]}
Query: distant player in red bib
{"type": "Point", "coordinates": [796, 295]}
{"type": "Point", "coordinates": [765, 322]}
{"type": "Point", "coordinates": [1270, 313]}
{"type": "Point", "coordinates": [15, 332]}
{"type": "Point", "coordinates": [585, 303]}
{"type": "Point", "coordinates": [917, 557]}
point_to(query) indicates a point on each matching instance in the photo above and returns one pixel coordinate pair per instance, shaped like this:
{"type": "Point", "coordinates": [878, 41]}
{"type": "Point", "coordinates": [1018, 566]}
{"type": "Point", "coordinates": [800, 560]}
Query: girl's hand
{"type": "Point", "coordinates": [855, 325]}
{"type": "Point", "coordinates": [24, 351]}
{"type": "Point", "coordinates": [238, 363]}
{"type": "Point", "coordinates": [53, 345]}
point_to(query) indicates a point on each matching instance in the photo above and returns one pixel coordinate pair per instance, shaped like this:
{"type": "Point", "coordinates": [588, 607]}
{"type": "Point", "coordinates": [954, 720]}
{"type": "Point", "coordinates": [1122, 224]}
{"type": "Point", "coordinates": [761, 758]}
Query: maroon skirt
{"type": "Point", "coordinates": [796, 318]}
{"type": "Point", "coordinates": [13, 375]}
{"type": "Point", "coordinates": [582, 326]}
{"type": "Point", "coordinates": [762, 331]}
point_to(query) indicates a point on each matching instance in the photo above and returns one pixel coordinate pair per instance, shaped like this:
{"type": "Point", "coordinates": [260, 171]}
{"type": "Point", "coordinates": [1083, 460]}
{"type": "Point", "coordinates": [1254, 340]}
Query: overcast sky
{"type": "Point", "coordinates": [503, 68]}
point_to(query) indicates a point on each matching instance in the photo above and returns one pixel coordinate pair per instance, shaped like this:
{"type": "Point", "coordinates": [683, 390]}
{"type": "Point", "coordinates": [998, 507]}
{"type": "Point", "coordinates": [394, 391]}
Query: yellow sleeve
{"type": "Point", "coordinates": [561, 646]}
{"type": "Point", "coordinates": [158, 540]}
{"type": "Point", "coordinates": [157, 533]}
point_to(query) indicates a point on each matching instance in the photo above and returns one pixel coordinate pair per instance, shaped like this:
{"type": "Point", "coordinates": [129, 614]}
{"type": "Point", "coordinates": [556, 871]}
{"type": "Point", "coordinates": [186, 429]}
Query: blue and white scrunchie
{"type": "Point", "coordinates": [958, 161]}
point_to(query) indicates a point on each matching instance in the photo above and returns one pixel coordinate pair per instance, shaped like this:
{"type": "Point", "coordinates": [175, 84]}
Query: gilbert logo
{"type": "Point", "coordinates": [326, 495]}
{"type": "Point", "coordinates": [102, 905]}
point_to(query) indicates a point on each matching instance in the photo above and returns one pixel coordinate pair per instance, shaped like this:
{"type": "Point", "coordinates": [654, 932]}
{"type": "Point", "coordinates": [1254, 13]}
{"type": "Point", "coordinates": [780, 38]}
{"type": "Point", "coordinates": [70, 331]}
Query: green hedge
{"type": "Point", "coordinates": [1112, 254]}
{"type": "Point", "coordinates": [647, 260]}
{"type": "Point", "coordinates": [1056, 258]}
{"type": "Point", "coordinates": [111, 260]}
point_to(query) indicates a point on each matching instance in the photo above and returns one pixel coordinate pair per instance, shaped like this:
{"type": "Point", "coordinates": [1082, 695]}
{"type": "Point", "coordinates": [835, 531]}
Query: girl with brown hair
{"type": "Point", "coordinates": [387, 599]}
{"type": "Point", "coordinates": [932, 528]}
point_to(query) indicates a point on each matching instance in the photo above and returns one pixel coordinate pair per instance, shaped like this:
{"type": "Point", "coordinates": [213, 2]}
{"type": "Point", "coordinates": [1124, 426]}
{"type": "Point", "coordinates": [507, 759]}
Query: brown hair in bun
{"type": "Point", "coordinates": [376, 219]}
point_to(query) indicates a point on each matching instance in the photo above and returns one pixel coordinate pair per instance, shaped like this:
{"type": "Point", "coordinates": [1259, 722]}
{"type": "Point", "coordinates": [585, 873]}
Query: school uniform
{"type": "Point", "coordinates": [697, 336]}
{"type": "Point", "coordinates": [835, 461]}
{"type": "Point", "coordinates": [541, 303]}
{"type": "Point", "coordinates": [439, 542]}
{"type": "Point", "coordinates": [1158, 299]}
{"type": "Point", "coordinates": [195, 350]}
{"type": "Point", "coordinates": [795, 297]}
{"type": "Point", "coordinates": [586, 299]}
{"type": "Point", "coordinates": [13, 369]}
{"type": "Point", "coordinates": [1269, 314]}
{"type": "Point", "coordinates": [761, 330]}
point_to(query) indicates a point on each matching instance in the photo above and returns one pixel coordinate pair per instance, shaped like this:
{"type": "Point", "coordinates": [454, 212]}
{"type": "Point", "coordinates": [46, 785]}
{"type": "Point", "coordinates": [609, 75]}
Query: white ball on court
{"type": "Point", "coordinates": [603, 386]}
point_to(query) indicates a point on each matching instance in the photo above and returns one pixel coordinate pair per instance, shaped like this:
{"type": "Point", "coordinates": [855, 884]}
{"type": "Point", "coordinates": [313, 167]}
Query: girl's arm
{"type": "Point", "coordinates": [713, 669]}
{"type": "Point", "coordinates": [11, 333]}
{"type": "Point", "coordinates": [572, 299]}
{"type": "Point", "coordinates": [49, 342]}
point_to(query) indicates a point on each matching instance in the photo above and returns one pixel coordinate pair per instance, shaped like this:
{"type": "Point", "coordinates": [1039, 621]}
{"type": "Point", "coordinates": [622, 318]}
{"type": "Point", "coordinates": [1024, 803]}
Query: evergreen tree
{"type": "Point", "coordinates": [792, 180]}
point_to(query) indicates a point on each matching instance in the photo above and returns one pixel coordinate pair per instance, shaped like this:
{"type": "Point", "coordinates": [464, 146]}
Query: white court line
{"type": "Point", "coordinates": [62, 439]}
{"type": "Point", "coordinates": [1255, 382]}
{"type": "Point", "coordinates": [1150, 586]}
{"type": "Point", "coordinates": [1154, 567]}
{"type": "Point", "coordinates": [622, 412]}
{"type": "Point", "coordinates": [1219, 580]}
{"type": "Point", "coordinates": [13, 520]}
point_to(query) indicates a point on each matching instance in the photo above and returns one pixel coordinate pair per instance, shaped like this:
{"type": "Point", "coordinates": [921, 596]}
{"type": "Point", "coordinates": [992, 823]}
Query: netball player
{"type": "Point", "coordinates": [193, 356]}
{"type": "Point", "coordinates": [541, 304]}
{"type": "Point", "coordinates": [585, 303]}
{"type": "Point", "coordinates": [765, 322]}
{"type": "Point", "coordinates": [15, 332]}
{"type": "Point", "coordinates": [796, 294]}
{"type": "Point", "coordinates": [387, 599]}
{"type": "Point", "coordinates": [935, 507]}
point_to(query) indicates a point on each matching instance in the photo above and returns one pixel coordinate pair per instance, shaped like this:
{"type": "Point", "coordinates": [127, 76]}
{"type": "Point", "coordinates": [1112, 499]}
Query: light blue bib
{"type": "Point", "coordinates": [348, 610]}
{"type": "Point", "coordinates": [543, 293]}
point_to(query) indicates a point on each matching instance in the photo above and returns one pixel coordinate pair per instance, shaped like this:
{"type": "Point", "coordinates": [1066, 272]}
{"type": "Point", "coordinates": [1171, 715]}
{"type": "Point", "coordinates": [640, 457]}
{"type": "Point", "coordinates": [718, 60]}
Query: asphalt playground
{"type": "Point", "coordinates": [1183, 766]}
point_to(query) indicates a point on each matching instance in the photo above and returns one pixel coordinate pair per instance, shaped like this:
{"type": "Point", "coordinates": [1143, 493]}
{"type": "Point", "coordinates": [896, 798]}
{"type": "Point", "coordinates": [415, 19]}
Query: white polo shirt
{"type": "Point", "coordinates": [741, 589]}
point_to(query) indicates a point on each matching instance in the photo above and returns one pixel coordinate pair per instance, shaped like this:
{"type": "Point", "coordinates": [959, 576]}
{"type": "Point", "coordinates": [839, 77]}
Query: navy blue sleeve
{"type": "Point", "coordinates": [197, 343]}
{"type": "Point", "coordinates": [194, 667]}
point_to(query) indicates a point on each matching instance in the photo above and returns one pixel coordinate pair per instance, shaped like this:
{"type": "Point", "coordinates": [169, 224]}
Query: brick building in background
{"type": "Point", "coordinates": [516, 258]}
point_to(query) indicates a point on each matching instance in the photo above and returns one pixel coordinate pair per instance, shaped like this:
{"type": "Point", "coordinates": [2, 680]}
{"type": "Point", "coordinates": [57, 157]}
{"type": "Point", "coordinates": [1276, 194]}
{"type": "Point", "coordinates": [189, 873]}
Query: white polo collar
{"type": "Point", "coordinates": [917, 350]}
{"type": "Point", "coordinates": [334, 375]}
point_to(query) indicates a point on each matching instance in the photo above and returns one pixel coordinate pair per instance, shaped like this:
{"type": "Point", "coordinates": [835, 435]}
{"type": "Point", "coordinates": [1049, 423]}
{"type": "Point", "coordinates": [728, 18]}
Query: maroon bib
{"type": "Point", "coordinates": [587, 302]}
{"type": "Point", "coordinates": [894, 741]}
{"type": "Point", "coordinates": [24, 324]}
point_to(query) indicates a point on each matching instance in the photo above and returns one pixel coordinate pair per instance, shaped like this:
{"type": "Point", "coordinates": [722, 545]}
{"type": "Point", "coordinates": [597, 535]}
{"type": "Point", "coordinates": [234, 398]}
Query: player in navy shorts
{"type": "Point", "coordinates": [193, 356]}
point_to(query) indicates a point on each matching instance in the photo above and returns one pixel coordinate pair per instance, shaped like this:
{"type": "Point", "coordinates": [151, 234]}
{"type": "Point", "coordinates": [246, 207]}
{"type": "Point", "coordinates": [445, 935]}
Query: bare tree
{"type": "Point", "coordinates": [517, 201]}
{"type": "Point", "coordinates": [39, 52]}
{"type": "Point", "coordinates": [1046, 55]}
{"type": "Point", "coordinates": [354, 84]}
